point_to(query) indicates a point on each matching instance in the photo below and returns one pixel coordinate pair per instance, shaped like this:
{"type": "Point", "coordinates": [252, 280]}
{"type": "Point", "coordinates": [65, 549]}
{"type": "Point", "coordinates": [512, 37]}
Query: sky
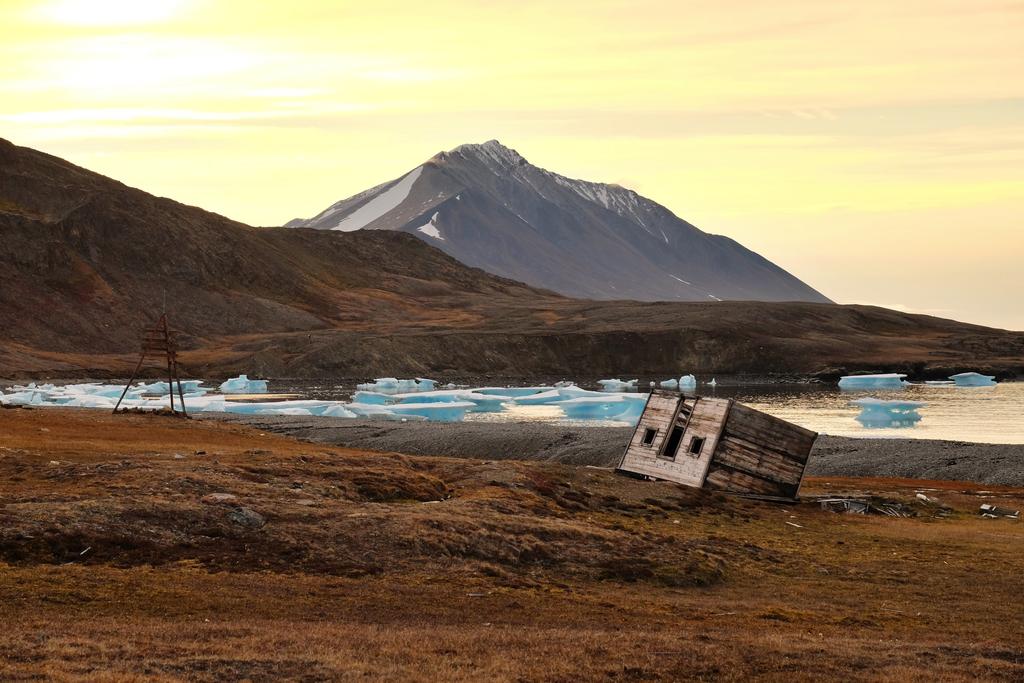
{"type": "Point", "coordinates": [875, 149]}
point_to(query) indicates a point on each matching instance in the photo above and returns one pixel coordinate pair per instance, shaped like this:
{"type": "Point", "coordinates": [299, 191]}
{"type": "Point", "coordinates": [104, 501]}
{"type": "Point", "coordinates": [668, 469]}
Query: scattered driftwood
{"type": "Point", "coordinates": [859, 506]}
{"type": "Point", "coordinates": [993, 512]}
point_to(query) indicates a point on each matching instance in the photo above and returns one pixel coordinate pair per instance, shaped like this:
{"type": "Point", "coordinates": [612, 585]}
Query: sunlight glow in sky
{"type": "Point", "coordinates": [874, 149]}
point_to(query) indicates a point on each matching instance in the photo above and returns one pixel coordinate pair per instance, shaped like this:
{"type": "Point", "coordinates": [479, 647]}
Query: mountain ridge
{"type": "Point", "coordinates": [491, 208]}
{"type": "Point", "coordinates": [87, 261]}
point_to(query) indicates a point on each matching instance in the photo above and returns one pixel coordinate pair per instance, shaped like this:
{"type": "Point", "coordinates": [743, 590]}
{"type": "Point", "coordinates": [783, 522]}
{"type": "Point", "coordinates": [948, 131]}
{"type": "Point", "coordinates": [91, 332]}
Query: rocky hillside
{"type": "Point", "coordinates": [85, 261]}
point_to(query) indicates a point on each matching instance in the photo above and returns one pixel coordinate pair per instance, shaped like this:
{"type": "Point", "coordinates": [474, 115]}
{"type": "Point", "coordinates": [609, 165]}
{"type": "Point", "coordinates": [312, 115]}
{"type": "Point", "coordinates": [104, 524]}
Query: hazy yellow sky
{"type": "Point", "coordinates": [873, 148]}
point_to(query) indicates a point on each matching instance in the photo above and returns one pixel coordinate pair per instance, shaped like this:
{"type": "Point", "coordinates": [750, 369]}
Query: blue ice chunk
{"type": "Point", "coordinates": [877, 413]}
{"type": "Point", "coordinates": [372, 397]}
{"type": "Point", "coordinates": [90, 401]}
{"type": "Point", "coordinates": [429, 397]}
{"type": "Point", "coordinates": [885, 381]}
{"type": "Point", "coordinates": [539, 399]}
{"type": "Point", "coordinates": [368, 409]}
{"type": "Point", "coordinates": [593, 407]}
{"type": "Point", "coordinates": [284, 411]}
{"type": "Point", "coordinates": [243, 385]}
{"type": "Point", "coordinates": [687, 382]}
{"type": "Point", "coordinates": [514, 392]}
{"type": "Point", "coordinates": [393, 385]}
{"type": "Point", "coordinates": [669, 384]}
{"type": "Point", "coordinates": [612, 385]}
{"type": "Point", "coordinates": [575, 392]}
{"type": "Point", "coordinates": [483, 403]}
{"type": "Point", "coordinates": [338, 410]}
{"type": "Point", "coordinates": [451, 411]}
{"type": "Point", "coordinates": [239, 408]}
{"type": "Point", "coordinates": [26, 397]}
{"type": "Point", "coordinates": [973, 379]}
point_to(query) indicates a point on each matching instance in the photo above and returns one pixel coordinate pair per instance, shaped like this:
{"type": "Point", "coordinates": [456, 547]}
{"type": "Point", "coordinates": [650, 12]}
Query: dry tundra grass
{"type": "Point", "coordinates": [150, 549]}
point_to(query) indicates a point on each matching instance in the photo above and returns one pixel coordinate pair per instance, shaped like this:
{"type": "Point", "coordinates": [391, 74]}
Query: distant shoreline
{"type": "Point", "coordinates": [992, 464]}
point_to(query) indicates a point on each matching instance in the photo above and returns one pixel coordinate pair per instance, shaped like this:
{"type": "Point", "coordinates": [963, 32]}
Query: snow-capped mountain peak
{"type": "Point", "coordinates": [492, 154]}
{"type": "Point", "coordinates": [581, 238]}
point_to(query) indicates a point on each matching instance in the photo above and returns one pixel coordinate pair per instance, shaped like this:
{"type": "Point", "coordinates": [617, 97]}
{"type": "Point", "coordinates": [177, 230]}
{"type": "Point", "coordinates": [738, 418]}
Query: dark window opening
{"type": "Point", "coordinates": [649, 436]}
{"type": "Point", "coordinates": [696, 445]}
{"type": "Point", "coordinates": [672, 443]}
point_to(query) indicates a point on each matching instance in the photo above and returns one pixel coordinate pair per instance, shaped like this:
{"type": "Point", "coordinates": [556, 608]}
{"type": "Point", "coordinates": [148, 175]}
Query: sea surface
{"type": "Point", "coordinates": [978, 414]}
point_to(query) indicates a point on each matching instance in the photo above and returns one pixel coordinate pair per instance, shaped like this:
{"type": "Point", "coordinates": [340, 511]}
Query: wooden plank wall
{"type": "Point", "coordinates": [760, 454]}
{"type": "Point", "coordinates": [663, 412]}
{"type": "Point", "coordinates": [660, 414]}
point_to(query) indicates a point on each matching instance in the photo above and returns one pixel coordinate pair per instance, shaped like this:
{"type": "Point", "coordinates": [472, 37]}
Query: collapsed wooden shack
{"type": "Point", "coordinates": [719, 444]}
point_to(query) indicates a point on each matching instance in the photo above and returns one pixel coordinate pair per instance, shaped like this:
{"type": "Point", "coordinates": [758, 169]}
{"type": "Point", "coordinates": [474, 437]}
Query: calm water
{"type": "Point", "coordinates": [981, 414]}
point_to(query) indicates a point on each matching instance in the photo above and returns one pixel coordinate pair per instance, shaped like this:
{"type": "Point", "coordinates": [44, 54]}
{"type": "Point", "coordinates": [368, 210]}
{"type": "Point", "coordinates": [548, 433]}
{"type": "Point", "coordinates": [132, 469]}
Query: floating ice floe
{"type": "Point", "coordinates": [612, 385]}
{"type": "Point", "coordinates": [243, 385]}
{"type": "Point", "coordinates": [444, 405]}
{"type": "Point", "coordinates": [877, 413]}
{"type": "Point", "coordinates": [541, 398]}
{"type": "Point", "coordinates": [482, 403]}
{"type": "Point", "coordinates": [513, 392]}
{"type": "Point", "coordinates": [444, 411]}
{"type": "Point", "coordinates": [393, 385]}
{"type": "Point", "coordinates": [668, 384]}
{"type": "Point", "coordinates": [623, 408]}
{"type": "Point", "coordinates": [592, 408]}
{"type": "Point", "coordinates": [973, 379]}
{"type": "Point", "coordinates": [890, 380]}
{"type": "Point", "coordinates": [687, 382]}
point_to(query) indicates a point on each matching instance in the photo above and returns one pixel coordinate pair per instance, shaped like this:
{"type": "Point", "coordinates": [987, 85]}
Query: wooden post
{"type": "Point", "coordinates": [155, 340]}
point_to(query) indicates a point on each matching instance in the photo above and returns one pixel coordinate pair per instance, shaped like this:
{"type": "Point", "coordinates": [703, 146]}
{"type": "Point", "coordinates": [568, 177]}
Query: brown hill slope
{"type": "Point", "coordinates": [85, 259]}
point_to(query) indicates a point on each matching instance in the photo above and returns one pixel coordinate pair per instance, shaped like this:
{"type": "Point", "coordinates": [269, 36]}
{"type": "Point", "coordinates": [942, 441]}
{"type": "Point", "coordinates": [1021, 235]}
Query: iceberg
{"type": "Point", "coordinates": [372, 397]}
{"type": "Point", "coordinates": [884, 381]}
{"type": "Point", "coordinates": [668, 384]}
{"type": "Point", "coordinates": [447, 411]}
{"type": "Point", "coordinates": [283, 411]}
{"type": "Point", "coordinates": [393, 385]}
{"type": "Point", "coordinates": [379, 412]}
{"type": "Point", "coordinates": [90, 401]}
{"type": "Point", "coordinates": [593, 407]}
{"type": "Point", "coordinates": [243, 385]}
{"type": "Point", "coordinates": [337, 410]}
{"type": "Point", "coordinates": [188, 386]}
{"type": "Point", "coordinates": [613, 385]}
{"type": "Point", "coordinates": [483, 403]}
{"type": "Point", "coordinates": [687, 382]}
{"type": "Point", "coordinates": [25, 397]}
{"type": "Point", "coordinates": [973, 379]}
{"type": "Point", "coordinates": [622, 408]}
{"type": "Point", "coordinates": [877, 413]}
{"type": "Point", "coordinates": [540, 399]}
{"type": "Point", "coordinates": [513, 392]}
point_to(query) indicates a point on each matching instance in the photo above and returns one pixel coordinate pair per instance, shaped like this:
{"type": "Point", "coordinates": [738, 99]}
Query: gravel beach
{"type": "Point", "coordinates": [602, 446]}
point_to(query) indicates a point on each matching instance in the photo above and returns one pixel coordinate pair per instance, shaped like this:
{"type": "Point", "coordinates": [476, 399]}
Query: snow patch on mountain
{"type": "Point", "coordinates": [431, 229]}
{"type": "Point", "coordinates": [620, 200]}
{"type": "Point", "coordinates": [384, 202]}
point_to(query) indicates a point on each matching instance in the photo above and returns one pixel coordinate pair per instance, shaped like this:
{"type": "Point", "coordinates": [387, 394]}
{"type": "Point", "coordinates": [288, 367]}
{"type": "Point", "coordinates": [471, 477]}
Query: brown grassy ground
{"type": "Point", "coordinates": [118, 562]}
